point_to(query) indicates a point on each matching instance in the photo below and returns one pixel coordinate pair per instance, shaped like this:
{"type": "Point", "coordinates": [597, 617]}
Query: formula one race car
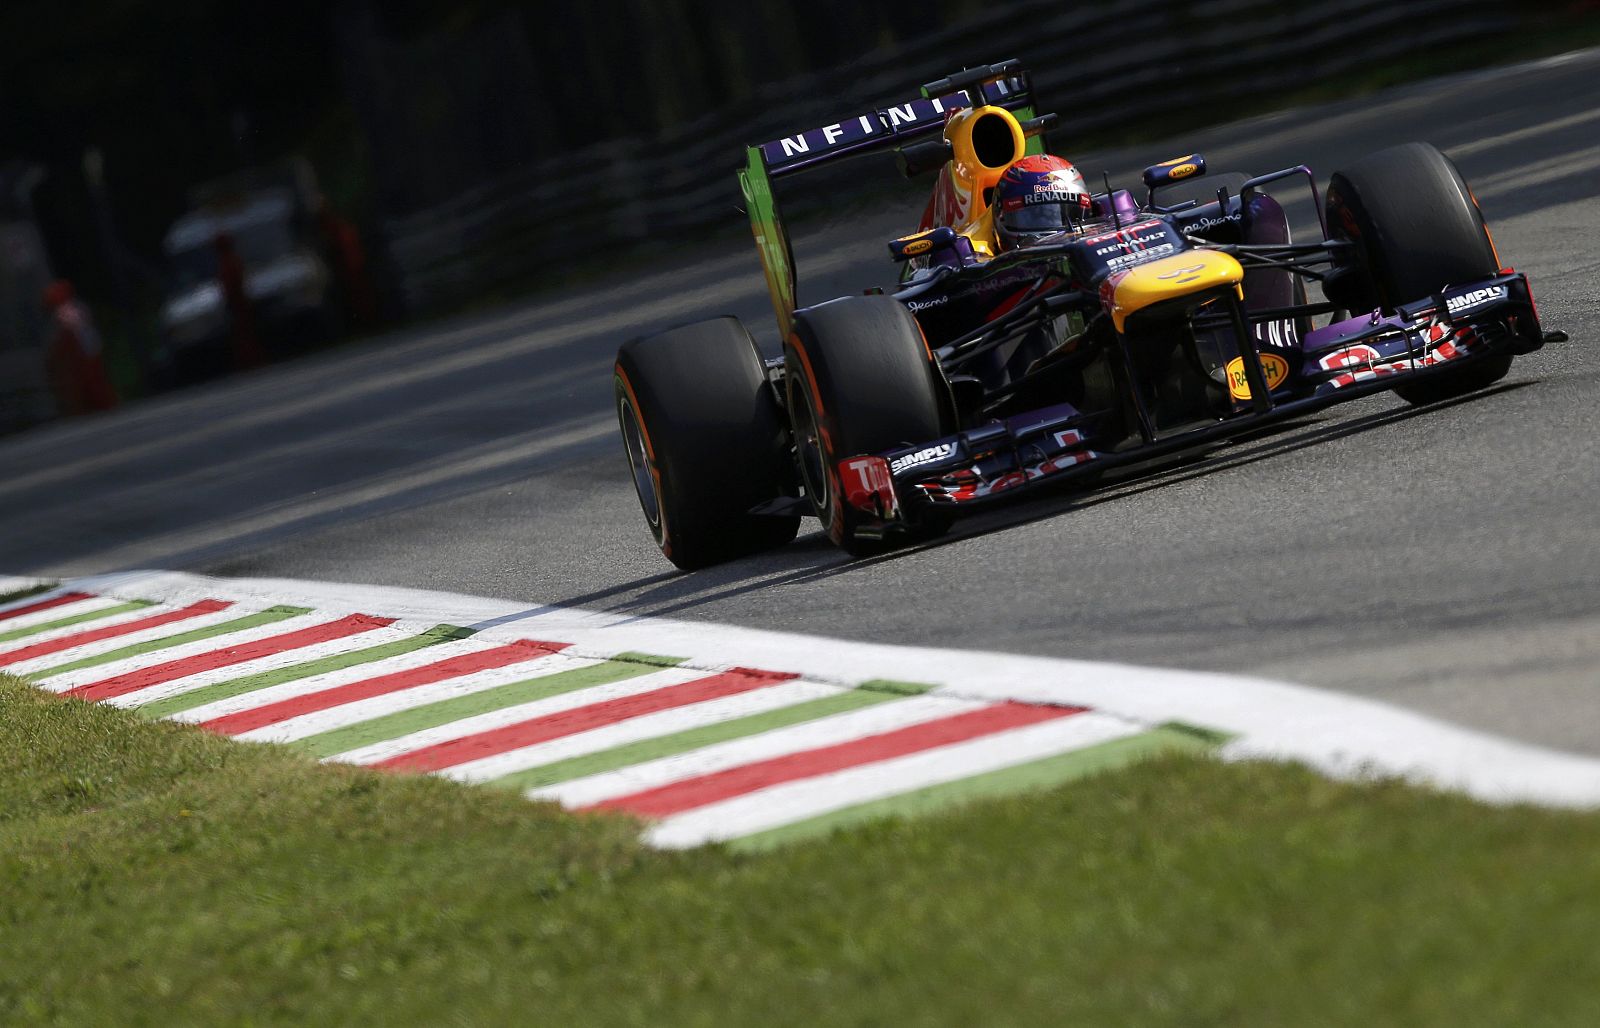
{"type": "Point", "coordinates": [1133, 327]}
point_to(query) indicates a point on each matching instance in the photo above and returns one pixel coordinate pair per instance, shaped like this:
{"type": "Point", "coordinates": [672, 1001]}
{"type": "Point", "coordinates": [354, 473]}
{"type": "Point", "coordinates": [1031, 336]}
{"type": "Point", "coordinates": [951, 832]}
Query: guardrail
{"type": "Point", "coordinates": [1126, 61]}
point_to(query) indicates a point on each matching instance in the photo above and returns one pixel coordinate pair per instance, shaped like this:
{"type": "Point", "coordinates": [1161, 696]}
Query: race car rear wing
{"type": "Point", "coordinates": [889, 128]}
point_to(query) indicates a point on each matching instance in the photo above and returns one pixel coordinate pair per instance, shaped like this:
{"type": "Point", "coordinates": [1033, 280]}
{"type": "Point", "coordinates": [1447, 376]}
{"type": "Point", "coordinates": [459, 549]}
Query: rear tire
{"type": "Point", "coordinates": [705, 441]}
{"type": "Point", "coordinates": [860, 380]}
{"type": "Point", "coordinates": [1417, 228]}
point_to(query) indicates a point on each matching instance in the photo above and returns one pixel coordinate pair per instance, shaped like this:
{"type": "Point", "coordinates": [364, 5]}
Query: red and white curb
{"type": "Point", "coordinates": [709, 732]}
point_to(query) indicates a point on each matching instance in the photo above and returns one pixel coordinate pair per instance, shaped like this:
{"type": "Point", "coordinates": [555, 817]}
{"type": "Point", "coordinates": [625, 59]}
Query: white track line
{"type": "Point", "coordinates": [535, 667]}
{"type": "Point", "coordinates": [62, 682]}
{"type": "Point", "coordinates": [520, 712]}
{"type": "Point", "coordinates": [780, 742]}
{"type": "Point", "coordinates": [1337, 733]}
{"type": "Point", "coordinates": [333, 679]}
{"type": "Point", "coordinates": [638, 729]}
{"type": "Point", "coordinates": [822, 794]}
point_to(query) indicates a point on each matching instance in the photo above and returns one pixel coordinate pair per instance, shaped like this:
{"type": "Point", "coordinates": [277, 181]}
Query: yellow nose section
{"type": "Point", "coordinates": [1193, 271]}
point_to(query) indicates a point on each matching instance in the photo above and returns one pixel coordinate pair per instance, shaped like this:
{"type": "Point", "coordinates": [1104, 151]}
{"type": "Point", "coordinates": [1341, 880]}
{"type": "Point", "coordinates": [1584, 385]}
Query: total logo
{"type": "Point", "coordinates": [938, 451]}
{"type": "Point", "coordinates": [1474, 298]}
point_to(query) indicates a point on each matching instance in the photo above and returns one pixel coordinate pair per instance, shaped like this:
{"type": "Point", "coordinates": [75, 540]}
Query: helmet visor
{"type": "Point", "coordinates": [1041, 217]}
{"type": "Point", "coordinates": [1041, 213]}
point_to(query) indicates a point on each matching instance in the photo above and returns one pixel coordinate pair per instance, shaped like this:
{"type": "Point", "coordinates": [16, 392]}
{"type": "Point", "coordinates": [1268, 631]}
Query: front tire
{"type": "Point", "coordinates": [705, 442]}
{"type": "Point", "coordinates": [1417, 228]}
{"type": "Point", "coordinates": [861, 380]}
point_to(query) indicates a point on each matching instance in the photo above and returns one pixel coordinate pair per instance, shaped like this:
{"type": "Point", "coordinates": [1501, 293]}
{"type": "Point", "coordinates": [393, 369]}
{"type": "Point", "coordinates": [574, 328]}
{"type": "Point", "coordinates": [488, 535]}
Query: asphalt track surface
{"type": "Point", "coordinates": [1446, 559]}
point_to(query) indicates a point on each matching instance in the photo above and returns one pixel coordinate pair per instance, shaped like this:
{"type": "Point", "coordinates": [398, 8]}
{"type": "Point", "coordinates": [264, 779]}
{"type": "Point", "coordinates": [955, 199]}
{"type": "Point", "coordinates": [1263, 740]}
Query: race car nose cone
{"type": "Point", "coordinates": [1169, 278]}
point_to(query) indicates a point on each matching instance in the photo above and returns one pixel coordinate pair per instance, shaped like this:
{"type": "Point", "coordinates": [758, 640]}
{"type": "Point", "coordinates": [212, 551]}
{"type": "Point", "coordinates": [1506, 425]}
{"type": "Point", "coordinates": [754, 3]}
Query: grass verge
{"type": "Point", "coordinates": [18, 594]}
{"type": "Point", "coordinates": [153, 873]}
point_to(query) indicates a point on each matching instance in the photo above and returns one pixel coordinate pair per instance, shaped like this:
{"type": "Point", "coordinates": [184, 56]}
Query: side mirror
{"type": "Point", "coordinates": [921, 244]}
{"type": "Point", "coordinates": [1175, 170]}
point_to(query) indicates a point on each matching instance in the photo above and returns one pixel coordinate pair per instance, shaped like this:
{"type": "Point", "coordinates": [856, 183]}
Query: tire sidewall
{"type": "Point", "coordinates": [715, 440]}
{"type": "Point", "coordinates": [628, 405]}
{"type": "Point", "coordinates": [806, 403]}
{"type": "Point", "coordinates": [862, 368]}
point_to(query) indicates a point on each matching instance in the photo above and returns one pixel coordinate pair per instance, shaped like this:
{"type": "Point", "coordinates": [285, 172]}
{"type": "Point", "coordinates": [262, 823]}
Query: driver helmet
{"type": "Point", "coordinates": [1038, 196]}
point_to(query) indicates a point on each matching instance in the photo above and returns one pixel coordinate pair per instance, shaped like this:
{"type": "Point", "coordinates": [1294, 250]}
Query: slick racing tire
{"type": "Point", "coordinates": [1417, 228]}
{"type": "Point", "coordinates": [705, 442]}
{"type": "Point", "coordinates": [860, 380]}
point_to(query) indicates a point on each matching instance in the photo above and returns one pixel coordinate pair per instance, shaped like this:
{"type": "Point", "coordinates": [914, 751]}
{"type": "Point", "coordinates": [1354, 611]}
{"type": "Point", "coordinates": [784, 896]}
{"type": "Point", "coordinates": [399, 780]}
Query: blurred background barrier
{"type": "Point", "coordinates": [221, 185]}
{"type": "Point", "coordinates": [24, 330]}
{"type": "Point", "coordinates": [490, 193]}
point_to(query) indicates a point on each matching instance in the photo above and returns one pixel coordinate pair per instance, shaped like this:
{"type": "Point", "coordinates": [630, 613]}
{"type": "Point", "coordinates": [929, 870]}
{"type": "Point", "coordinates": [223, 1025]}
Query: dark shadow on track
{"type": "Point", "coordinates": [586, 599]}
{"type": "Point", "coordinates": [675, 593]}
{"type": "Point", "coordinates": [1191, 467]}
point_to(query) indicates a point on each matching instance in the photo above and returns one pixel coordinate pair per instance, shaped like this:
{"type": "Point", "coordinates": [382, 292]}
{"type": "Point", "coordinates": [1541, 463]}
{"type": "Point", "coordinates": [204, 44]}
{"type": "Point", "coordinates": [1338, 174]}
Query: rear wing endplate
{"type": "Point", "coordinates": [1002, 85]}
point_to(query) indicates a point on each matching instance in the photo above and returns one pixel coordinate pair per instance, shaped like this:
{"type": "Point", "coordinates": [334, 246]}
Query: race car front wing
{"type": "Point", "coordinates": [1339, 362]}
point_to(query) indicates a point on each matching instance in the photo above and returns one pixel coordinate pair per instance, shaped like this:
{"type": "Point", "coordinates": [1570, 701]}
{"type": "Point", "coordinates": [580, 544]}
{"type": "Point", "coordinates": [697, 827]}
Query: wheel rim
{"type": "Point", "coordinates": [808, 446]}
{"type": "Point", "coordinates": [644, 477]}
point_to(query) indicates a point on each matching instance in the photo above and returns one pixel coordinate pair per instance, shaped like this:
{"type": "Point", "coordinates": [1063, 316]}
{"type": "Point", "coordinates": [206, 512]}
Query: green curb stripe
{"type": "Point", "coordinates": [338, 662]}
{"type": "Point", "coordinates": [900, 688]}
{"type": "Point", "coordinates": [691, 739]}
{"type": "Point", "coordinates": [77, 619]}
{"type": "Point", "coordinates": [404, 722]}
{"type": "Point", "coordinates": [265, 617]}
{"type": "Point", "coordinates": [1039, 774]}
{"type": "Point", "coordinates": [653, 659]}
{"type": "Point", "coordinates": [1209, 736]}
